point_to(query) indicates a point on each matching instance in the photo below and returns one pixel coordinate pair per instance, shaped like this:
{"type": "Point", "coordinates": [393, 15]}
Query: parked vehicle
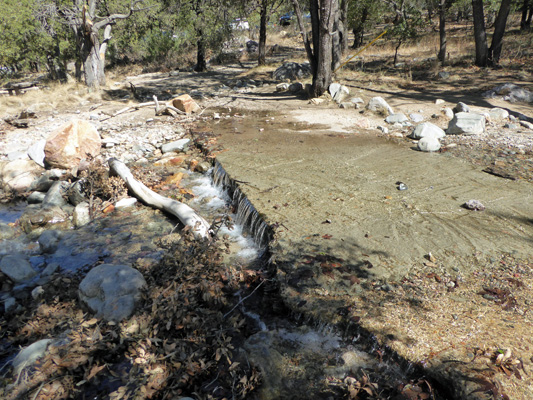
{"type": "Point", "coordinates": [286, 19]}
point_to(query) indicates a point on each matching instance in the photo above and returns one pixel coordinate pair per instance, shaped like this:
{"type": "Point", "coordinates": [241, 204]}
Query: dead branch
{"type": "Point", "coordinates": [185, 213]}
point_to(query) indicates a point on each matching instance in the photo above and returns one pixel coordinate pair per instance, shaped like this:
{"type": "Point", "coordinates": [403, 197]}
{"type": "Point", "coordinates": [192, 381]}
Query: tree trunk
{"type": "Point", "coordinates": [480, 34]}
{"type": "Point", "coordinates": [525, 22]}
{"type": "Point", "coordinates": [336, 36]}
{"type": "Point", "coordinates": [201, 63]}
{"type": "Point", "coordinates": [344, 26]}
{"type": "Point", "coordinates": [323, 52]}
{"type": "Point", "coordinates": [262, 33]}
{"type": "Point", "coordinates": [499, 30]}
{"type": "Point", "coordinates": [442, 31]}
{"type": "Point", "coordinates": [303, 32]}
{"type": "Point", "coordinates": [359, 31]}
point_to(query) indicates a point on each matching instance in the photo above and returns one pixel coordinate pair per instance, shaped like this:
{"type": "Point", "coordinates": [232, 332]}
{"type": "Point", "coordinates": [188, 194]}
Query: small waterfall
{"type": "Point", "coordinates": [246, 214]}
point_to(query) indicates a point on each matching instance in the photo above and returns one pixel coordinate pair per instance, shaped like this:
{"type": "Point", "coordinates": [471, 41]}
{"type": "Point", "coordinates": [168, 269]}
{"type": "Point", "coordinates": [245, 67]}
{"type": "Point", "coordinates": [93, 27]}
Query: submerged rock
{"type": "Point", "coordinates": [112, 291]}
{"type": "Point", "coordinates": [17, 268]}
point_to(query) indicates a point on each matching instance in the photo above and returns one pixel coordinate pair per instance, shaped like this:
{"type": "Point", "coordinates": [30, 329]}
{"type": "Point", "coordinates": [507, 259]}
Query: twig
{"type": "Point", "coordinates": [242, 300]}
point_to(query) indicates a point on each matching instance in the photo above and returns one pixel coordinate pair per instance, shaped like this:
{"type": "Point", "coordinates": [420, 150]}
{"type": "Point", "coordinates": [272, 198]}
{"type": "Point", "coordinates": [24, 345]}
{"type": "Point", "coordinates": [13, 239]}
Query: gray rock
{"type": "Point", "coordinates": [448, 112]}
{"type": "Point", "coordinates": [526, 124]}
{"type": "Point", "coordinates": [10, 304]}
{"type": "Point", "coordinates": [37, 292]}
{"type": "Point", "coordinates": [396, 118]}
{"type": "Point", "coordinates": [51, 269]}
{"type": "Point", "coordinates": [379, 106]}
{"type": "Point", "coordinates": [127, 202]}
{"type": "Point", "coordinates": [112, 291]}
{"type": "Point", "coordinates": [76, 194]}
{"type": "Point", "coordinates": [466, 124]}
{"type": "Point", "coordinates": [36, 198]}
{"type": "Point", "coordinates": [416, 118]}
{"type": "Point", "coordinates": [427, 129]}
{"type": "Point", "coordinates": [178, 145]}
{"type": "Point", "coordinates": [443, 75]}
{"type": "Point", "coordinates": [49, 241]}
{"type": "Point", "coordinates": [511, 126]}
{"type": "Point", "coordinates": [510, 92]}
{"type": "Point", "coordinates": [292, 71]}
{"type": "Point", "coordinates": [475, 205]}
{"type": "Point", "coordinates": [383, 129]}
{"type": "Point", "coordinates": [461, 107]}
{"type": "Point", "coordinates": [348, 104]}
{"type": "Point", "coordinates": [252, 46]}
{"type": "Point", "coordinates": [46, 180]}
{"type": "Point", "coordinates": [497, 114]}
{"type": "Point", "coordinates": [429, 144]}
{"type": "Point", "coordinates": [27, 356]}
{"type": "Point", "coordinates": [296, 87]}
{"type": "Point", "coordinates": [203, 167]}
{"type": "Point", "coordinates": [36, 152]}
{"type": "Point", "coordinates": [56, 195]}
{"type": "Point", "coordinates": [81, 215]}
{"type": "Point", "coordinates": [17, 268]}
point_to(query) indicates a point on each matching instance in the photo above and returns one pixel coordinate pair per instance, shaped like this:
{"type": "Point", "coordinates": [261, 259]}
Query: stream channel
{"type": "Point", "coordinates": [299, 359]}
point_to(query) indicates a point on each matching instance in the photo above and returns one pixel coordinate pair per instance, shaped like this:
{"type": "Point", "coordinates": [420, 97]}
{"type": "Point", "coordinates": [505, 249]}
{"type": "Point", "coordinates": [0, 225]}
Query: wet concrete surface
{"type": "Point", "coordinates": [348, 239]}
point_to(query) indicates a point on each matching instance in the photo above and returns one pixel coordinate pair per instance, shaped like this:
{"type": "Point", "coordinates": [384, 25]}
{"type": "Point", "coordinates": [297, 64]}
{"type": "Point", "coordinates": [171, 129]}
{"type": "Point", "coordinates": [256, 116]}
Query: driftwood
{"type": "Point", "coordinates": [185, 213]}
{"type": "Point", "coordinates": [159, 109]}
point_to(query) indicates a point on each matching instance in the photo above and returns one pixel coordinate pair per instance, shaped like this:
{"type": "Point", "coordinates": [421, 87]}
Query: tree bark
{"type": "Point", "coordinates": [442, 31]}
{"type": "Point", "coordinates": [324, 51]}
{"type": "Point", "coordinates": [261, 60]}
{"type": "Point", "coordinates": [480, 34]}
{"type": "Point", "coordinates": [344, 26]}
{"type": "Point", "coordinates": [499, 30]}
{"type": "Point", "coordinates": [201, 63]}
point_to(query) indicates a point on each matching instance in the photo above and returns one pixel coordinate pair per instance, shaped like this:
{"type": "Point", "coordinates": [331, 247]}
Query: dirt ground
{"type": "Point", "coordinates": [444, 287]}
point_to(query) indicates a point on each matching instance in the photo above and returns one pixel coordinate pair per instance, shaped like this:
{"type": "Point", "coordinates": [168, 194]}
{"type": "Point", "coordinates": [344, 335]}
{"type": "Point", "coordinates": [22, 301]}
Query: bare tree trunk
{"type": "Point", "coordinates": [442, 31]}
{"type": "Point", "coordinates": [480, 34]}
{"type": "Point", "coordinates": [262, 33]}
{"type": "Point", "coordinates": [499, 30]}
{"type": "Point", "coordinates": [201, 63]}
{"type": "Point", "coordinates": [336, 37]}
{"type": "Point", "coordinates": [359, 32]}
{"type": "Point", "coordinates": [305, 38]}
{"type": "Point", "coordinates": [323, 76]}
{"type": "Point", "coordinates": [344, 26]}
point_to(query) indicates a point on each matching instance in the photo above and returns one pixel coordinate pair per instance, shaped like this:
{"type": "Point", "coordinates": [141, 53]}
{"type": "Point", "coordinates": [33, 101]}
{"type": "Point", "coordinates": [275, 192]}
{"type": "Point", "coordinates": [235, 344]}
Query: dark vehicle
{"type": "Point", "coordinates": [286, 19]}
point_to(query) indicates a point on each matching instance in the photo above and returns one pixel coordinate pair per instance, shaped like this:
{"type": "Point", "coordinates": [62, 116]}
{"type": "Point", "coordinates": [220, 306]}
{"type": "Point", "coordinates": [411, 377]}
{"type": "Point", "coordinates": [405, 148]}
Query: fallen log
{"type": "Point", "coordinates": [185, 214]}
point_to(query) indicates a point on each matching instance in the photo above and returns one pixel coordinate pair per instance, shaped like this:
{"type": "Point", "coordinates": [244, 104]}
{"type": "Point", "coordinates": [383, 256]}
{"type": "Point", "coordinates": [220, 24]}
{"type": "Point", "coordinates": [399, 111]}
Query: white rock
{"type": "Point", "coordinates": [379, 106]}
{"type": "Point", "coordinates": [416, 118]}
{"type": "Point", "coordinates": [448, 112]}
{"type": "Point", "coordinates": [37, 292]}
{"type": "Point", "coordinates": [439, 101]}
{"type": "Point", "coordinates": [497, 114]}
{"type": "Point", "coordinates": [466, 124]}
{"type": "Point", "coordinates": [526, 124]}
{"type": "Point", "coordinates": [127, 202]}
{"type": "Point", "coordinates": [81, 215]}
{"type": "Point", "coordinates": [18, 175]}
{"type": "Point", "coordinates": [27, 356]}
{"type": "Point", "coordinates": [36, 152]}
{"type": "Point", "coordinates": [429, 144]}
{"type": "Point", "coordinates": [178, 145]}
{"type": "Point", "coordinates": [396, 118]}
{"type": "Point", "coordinates": [427, 129]}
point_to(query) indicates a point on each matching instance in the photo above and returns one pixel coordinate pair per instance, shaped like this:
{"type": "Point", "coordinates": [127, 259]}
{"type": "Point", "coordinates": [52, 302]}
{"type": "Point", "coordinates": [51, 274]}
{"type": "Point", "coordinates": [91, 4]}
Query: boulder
{"type": "Point", "coordinates": [112, 291]}
{"type": "Point", "coordinates": [185, 103]}
{"type": "Point", "coordinates": [427, 129]}
{"type": "Point", "coordinates": [46, 180]}
{"type": "Point", "coordinates": [429, 144]}
{"type": "Point", "coordinates": [72, 143]}
{"type": "Point", "coordinates": [49, 241]}
{"type": "Point", "coordinates": [292, 71]}
{"type": "Point", "coordinates": [416, 118]}
{"type": "Point", "coordinates": [461, 107]}
{"type": "Point", "coordinates": [448, 112]}
{"type": "Point", "coordinates": [510, 92]}
{"type": "Point", "coordinates": [497, 114]}
{"type": "Point", "coordinates": [379, 106]}
{"type": "Point", "coordinates": [56, 195]}
{"type": "Point", "coordinates": [252, 46]}
{"type": "Point", "coordinates": [176, 146]}
{"type": "Point", "coordinates": [17, 267]}
{"type": "Point", "coordinates": [18, 175]}
{"type": "Point", "coordinates": [357, 100]}
{"type": "Point", "coordinates": [526, 124]}
{"type": "Point", "coordinates": [396, 118]}
{"type": "Point", "coordinates": [466, 124]}
{"type": "Point", "coordinates": [296, 87]}
{"type": "Point", "coordinates": [338, 92]}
